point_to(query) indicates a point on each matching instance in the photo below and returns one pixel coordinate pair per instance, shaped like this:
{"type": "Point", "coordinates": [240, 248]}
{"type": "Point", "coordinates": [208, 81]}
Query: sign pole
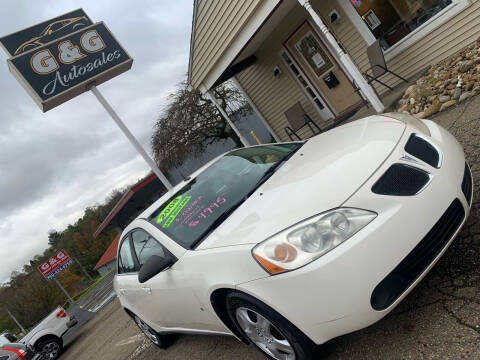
{"type": "Point", "coordinates": [130, 137]}
{"type": "Point", "coordinates": [16, 322]}
{"type": "Point", "coordinates": [65, 291]}
{"type": "Point", "coordinates": [81, 267]}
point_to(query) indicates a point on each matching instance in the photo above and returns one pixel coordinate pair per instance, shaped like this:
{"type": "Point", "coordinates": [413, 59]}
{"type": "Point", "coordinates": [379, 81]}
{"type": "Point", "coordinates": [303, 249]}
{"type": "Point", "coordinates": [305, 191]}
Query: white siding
{"type": "Point", "coordinates": [217, 23]}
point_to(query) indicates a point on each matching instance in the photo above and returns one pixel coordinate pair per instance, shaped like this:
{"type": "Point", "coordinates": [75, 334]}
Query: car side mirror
{"type": "Point", "coordinates": [154, 265]}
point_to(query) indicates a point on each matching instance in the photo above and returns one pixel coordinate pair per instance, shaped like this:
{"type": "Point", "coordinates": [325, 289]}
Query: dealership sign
{"type": "Point", "coordinates": [55, 265]}
{"type": "Point", "coordinates": [55, 66]}
{"type": "Point", "coordinates": [64, 57]}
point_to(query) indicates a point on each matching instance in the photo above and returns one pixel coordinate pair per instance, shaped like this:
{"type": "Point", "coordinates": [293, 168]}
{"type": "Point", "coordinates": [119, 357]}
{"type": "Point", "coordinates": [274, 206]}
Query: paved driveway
{"type": "Point", "coordinates": [440, 319]}
{"type": "Point", "coordinates": [85, 309]}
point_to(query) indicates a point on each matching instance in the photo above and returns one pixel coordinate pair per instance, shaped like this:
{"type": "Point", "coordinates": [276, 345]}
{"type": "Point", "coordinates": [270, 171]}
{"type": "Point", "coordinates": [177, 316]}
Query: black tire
{"type": "Point", "coordinates": [50, 348]}
{"type": "Point", "coordinates": [161, 341]}
{"type": "Point", "coordinates": [280, 329]}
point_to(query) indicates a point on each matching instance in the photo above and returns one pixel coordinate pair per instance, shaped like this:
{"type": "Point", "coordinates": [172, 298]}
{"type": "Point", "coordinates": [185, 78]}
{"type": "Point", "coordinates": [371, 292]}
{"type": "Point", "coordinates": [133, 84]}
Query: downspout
{"type": "Point", "coordinates": [254, 107]}
{"type": "Point", "coordinates": [352, 69]}
{"type": "Point", "coordinates": [215, 102]}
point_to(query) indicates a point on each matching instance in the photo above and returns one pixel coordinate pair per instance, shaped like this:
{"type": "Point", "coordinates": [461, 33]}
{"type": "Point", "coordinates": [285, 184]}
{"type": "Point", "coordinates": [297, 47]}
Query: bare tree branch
{"type": "Point", "coordinates": [190, 122]}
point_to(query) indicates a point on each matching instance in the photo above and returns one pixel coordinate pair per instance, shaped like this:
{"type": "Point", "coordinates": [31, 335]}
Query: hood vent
{"type": "Point", "coordinates": [424, 150]}
{"type": "Point", "coordinates": [402, 180]}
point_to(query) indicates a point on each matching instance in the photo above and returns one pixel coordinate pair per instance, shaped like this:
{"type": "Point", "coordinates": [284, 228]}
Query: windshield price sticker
{"type": "Point", "coordinates": [172, 210]}
{"type": "Point", "coordinates": [208, 210]}
{"type": "Point", "coordinates": [63, 68]}
{"type": "Point", "coordinates": [175, 212]}
{"type": "Point", "coordinates": [168, 209]}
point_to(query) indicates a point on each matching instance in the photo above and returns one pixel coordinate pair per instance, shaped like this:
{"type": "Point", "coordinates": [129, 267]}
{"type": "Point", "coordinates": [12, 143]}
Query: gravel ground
{"type": "Point", "coordinates": [440, 319]}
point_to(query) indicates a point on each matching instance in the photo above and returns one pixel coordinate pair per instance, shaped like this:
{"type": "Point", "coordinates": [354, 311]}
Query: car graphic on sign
{"type": "Point", "coordinates": [46, 35]}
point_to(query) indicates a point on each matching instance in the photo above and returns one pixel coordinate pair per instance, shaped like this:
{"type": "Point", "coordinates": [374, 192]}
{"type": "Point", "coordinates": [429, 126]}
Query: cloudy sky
{"type": "Point", "coordinates": [53, 165]}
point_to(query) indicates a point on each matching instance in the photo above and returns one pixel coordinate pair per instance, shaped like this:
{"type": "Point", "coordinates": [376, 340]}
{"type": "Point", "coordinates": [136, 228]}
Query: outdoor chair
{"type": "Point", "coordinates": [298, 119]}
{"type": "Point", "coordinates": [378, 66]}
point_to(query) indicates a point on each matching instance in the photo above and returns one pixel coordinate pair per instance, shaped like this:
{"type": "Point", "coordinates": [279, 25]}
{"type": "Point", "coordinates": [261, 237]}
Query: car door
{"type": "Point", "coordinates": [126, 278]}
{"type": "Point", "coordinates": [165, 301]}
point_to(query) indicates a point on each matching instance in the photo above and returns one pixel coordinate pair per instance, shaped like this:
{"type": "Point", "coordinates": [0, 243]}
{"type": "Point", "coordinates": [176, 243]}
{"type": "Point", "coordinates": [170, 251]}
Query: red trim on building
{"type": "Point", "coordinates": [110, 254]}
{"type": "Point", "coordinates": [144, 183]}
{"type": "Point", "coordinates": [127, 196]}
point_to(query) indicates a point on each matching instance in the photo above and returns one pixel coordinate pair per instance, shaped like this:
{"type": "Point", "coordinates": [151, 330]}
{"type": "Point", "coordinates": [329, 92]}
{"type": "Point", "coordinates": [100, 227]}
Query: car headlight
{"type": "Point", "coordinates": [310, 239]}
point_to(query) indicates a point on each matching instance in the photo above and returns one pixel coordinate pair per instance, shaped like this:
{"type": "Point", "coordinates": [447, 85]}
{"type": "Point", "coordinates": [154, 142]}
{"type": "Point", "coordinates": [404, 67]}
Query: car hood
{"type": "Point", "coordinates": [322, 175]}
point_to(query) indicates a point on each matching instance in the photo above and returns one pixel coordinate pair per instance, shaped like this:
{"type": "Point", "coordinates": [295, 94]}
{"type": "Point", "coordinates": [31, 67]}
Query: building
{"type": "Point", "coordinates": [284, 52]}
{"type": "Point", "coordinates": [135, 200]}
{"type": "Point", "coordinates": [108, 260]}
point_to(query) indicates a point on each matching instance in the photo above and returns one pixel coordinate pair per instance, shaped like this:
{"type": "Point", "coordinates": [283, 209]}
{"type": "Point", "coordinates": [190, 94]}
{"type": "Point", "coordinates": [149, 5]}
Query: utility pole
{"type": "Point", "coordinates": [64, 291]}
{"type": "Point", "coordinates": [17, 322]}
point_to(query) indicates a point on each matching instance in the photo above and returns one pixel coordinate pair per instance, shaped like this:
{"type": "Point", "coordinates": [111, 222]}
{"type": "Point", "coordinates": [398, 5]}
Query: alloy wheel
{"type": "Point", "coordinates": [264, 334]}
{"type": "Point", "coordinates": [50, 350]}
{"type": "Point", "coordinates": [147, 331]}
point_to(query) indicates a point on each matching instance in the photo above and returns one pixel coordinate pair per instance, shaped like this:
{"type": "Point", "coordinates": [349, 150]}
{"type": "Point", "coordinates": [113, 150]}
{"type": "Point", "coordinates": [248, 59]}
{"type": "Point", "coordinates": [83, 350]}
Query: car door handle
{"type": "Point", "coordinates": [147, 290]}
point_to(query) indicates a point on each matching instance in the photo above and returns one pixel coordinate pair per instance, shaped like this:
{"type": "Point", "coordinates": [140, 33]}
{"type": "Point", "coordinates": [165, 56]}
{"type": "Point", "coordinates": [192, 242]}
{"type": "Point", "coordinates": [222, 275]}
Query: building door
{"type": "Point", "coordinates": [323, 71]}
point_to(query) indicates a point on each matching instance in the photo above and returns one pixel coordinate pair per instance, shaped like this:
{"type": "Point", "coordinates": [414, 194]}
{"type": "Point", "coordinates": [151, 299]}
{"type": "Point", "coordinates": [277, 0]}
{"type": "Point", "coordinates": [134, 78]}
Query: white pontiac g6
{"type": "Point", "coordinates": [288, 245]}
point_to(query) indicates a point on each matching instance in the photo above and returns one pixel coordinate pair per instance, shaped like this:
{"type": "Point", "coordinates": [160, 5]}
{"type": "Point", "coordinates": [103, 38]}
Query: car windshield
{"type": "Point", "coordinates": [206, 201]}
{"type": "Point", "coordinates": [6, 338]}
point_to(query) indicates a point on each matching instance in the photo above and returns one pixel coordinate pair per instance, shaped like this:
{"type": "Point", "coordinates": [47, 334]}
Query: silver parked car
{"type": "Point", "coordinates": [16, 351]}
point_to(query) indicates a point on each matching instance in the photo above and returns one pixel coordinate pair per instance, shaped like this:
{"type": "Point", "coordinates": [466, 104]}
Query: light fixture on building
{"type": "Point", "coordinates": [276, 71]}
{"type": "Point", "coordinates": [334, 16]}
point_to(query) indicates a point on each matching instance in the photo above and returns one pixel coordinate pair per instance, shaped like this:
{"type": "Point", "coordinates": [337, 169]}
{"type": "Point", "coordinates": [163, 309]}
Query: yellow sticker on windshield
{"type": "Point", "coordinates": [176, 211]}
{"type": "Point", "coordinates": [168, 209]}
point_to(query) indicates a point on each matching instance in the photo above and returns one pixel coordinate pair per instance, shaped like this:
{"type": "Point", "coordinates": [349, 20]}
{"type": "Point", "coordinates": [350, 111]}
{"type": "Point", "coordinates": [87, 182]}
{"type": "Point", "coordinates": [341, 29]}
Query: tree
{"type": "Point", "coordinates": [190, 122]}
{"type": "Point", "coordinates": [54, 238]}
{"type": "Point", "coordinates": [111, 200]}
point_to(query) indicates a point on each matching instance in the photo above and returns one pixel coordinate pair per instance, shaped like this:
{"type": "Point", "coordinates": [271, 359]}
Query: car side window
{"type": "Point", "coordinates": [125, 259]}
{"type": "Point", "coordinates": [145, 246]}
{"type": "Point", "coordinates": [11, 338]}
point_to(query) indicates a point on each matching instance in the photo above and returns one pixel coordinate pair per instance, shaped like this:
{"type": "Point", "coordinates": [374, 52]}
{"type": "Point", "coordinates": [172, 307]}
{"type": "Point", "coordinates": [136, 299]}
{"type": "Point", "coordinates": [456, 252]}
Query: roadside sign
{"type": "Point", "coordinates": [64, 57]}
{"type": "Point", "coordinates": [41, 34]}
{"type": "Point", "coordinates": [62, 69]}
{"type": "Point", "coordinates": [55, 265]}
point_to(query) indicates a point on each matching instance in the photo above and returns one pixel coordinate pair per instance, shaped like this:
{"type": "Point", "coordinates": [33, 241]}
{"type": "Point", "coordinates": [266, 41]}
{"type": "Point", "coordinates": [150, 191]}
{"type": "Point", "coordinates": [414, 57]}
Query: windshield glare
{"type": "Point", "coordinates": [188, 215]}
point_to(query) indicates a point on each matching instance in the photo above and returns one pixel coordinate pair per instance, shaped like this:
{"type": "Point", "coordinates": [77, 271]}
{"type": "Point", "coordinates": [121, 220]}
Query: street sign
{"type": "Point", "coordinates": [66, 67]}
{"type": "Point", "coordinates": [41, 34]}
{"type": "Point", "coordinates": [55, 265]}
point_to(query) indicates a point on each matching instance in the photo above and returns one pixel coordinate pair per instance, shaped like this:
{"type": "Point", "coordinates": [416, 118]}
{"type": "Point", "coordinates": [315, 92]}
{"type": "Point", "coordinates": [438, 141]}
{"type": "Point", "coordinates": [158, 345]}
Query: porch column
{"type": "Point", "coordinates": [215, 102]}
{"type": "Point", "coordinates": [254, 107]}
{"type": "Point", "coordinates": [357, 76]}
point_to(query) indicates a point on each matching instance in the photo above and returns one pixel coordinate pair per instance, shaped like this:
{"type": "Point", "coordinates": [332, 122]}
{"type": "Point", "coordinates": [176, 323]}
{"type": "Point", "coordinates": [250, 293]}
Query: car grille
{"type": "Point", "coordinates": [467, 184]}
{"type": "Point", "coordinates": [423, 150]}
{"type": "Point", "coordinates": [401, 180]}
{"type": "Point", "coordinates": [405, 274]}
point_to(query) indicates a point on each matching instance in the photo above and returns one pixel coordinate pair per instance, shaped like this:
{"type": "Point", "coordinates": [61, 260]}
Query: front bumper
{"type": "Point", "coordinates": [332, 295]}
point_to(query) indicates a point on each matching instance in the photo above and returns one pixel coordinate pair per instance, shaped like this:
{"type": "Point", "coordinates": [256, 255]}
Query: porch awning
{"type": "Point", "coordinates": [224, 38]}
